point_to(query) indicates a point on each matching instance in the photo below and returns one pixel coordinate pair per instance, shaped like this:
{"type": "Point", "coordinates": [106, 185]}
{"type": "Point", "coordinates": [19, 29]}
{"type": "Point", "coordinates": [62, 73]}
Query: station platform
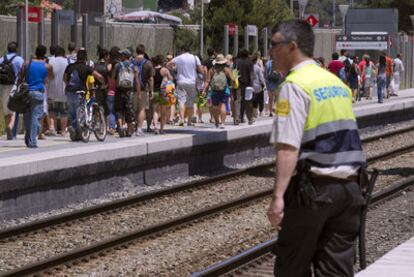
{"type": "Point", "coordinates": [398, 262]}
{"type": "Point", "coordinates": [60, 172]}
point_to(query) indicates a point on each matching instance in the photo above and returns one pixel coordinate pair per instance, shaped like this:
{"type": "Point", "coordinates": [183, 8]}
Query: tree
{"type": "Point", "coordinates": [262, 13]}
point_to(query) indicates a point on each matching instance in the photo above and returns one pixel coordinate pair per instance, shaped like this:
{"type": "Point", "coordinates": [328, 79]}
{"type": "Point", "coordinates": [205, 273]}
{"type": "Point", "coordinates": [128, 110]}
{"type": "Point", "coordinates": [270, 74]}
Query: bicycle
{"type": "Point", "coordinates": [90, 117]}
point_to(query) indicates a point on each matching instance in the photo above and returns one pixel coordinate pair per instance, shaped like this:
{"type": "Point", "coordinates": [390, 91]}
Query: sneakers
{"type": "Point", "coordinates": [50, 133]}
{"type": "Point", "coordinates": [139, 132]}
{"type": "Point", "coordinates": [9, 133]}
{"type": "Point", "coordinates": [73, 134]}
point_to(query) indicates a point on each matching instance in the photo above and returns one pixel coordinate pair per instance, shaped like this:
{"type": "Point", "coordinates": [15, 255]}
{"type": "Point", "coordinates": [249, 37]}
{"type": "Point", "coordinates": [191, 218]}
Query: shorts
{"type": "Point", "coordinates": [218, 98]}
{"type": "Point", "coordinates": [142, 102]}
{"type": "Point", "coordinates": [4, 95]}
{"type": "Point", "coordinates": [186, 94]}
{"type": "Point", "coordinates": [124, 105]}
{"type": "Point", "coordinates": [369, 82]}
{"type": "Point", "coordinates": [57, 108]}
{"type": "Point", "coordinates": [100, 98]}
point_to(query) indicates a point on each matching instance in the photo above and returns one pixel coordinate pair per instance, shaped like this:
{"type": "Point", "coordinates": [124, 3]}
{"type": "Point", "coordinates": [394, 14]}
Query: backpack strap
{"type": "Point", "coordinates": [11, 60]}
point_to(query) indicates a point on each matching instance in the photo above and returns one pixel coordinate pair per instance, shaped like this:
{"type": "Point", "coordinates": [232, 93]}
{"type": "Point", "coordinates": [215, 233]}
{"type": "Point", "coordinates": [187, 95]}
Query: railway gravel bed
{"type": "Point", "coordinates": [80, 233]}
{"type": "Point", "coordinates": [183, 251]}
{"type": "Point", "coordinates": [389, 224]}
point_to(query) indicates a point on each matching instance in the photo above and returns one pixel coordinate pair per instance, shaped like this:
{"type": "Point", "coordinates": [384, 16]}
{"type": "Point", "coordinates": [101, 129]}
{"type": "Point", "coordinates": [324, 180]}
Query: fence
{"type": "Point", "coordinates": [158, 38]}
{"type": "Point", "coordinates": [405, 46]}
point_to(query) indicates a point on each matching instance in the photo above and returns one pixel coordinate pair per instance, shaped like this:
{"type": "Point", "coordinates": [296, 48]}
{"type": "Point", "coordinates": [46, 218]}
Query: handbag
{"type": "Point", "coordinates": [19, 99]}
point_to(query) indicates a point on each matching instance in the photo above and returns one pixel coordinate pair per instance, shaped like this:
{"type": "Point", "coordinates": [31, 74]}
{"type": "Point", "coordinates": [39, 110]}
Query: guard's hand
{"type": "Point", "coordinates": [275, 212]}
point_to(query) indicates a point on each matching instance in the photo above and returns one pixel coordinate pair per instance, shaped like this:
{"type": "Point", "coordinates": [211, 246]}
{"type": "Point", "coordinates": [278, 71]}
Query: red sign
{"type": "Point", "coordinates": [232, 29]}
{"type": "Point", "coordinates": [34, 14]}
{"type": "Point", "coordinates": [312, 20]}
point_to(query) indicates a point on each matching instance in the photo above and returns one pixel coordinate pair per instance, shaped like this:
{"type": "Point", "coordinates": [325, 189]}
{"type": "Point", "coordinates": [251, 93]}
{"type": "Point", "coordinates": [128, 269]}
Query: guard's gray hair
{"type": "Point", "coordinates": [299, 31]}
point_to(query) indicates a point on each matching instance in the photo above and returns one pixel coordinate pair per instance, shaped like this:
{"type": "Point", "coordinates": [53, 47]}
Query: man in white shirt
{"type": "Point", "coordinates": [398, 68]}
{"type": "Point", "coordinates": [187, 66]}
{"type": "Point", "coordinates": [56, 92]}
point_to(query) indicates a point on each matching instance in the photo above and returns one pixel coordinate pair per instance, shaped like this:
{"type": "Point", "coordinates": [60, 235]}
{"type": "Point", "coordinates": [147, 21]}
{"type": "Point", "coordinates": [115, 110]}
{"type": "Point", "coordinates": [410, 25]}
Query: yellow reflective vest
{"type": "Point", "coordinates": [331, 135]}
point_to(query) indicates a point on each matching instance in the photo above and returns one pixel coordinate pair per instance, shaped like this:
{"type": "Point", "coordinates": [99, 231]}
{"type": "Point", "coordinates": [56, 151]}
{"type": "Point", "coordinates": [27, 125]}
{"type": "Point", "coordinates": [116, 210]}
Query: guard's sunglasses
{"type": "Point", "coordinates": [274, 44]}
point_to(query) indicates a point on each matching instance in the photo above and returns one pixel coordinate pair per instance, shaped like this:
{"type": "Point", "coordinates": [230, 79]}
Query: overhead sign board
{"type": "Point", "coordinates": [251, 30]}
{"type": "Point", "coordinates": [95, 18]}
{"type": "Point", "coordinates": [66, 17]}
{"type": "Point", "coordinates": [35, 14]}
{"type": "Point", "coordinates": [232, 29]}
{"type": "Point", "coordinates": [362, 42]}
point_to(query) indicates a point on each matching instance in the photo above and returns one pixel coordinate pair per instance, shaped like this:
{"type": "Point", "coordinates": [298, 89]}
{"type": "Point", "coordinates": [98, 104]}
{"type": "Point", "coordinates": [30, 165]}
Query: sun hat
{"type": "Point", "coordinates": [220, 59]}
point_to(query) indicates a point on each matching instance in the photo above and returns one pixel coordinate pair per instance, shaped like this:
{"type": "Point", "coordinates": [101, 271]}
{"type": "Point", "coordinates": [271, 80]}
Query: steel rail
{"type": "Point", "coordinates": [264, 248]}
{"type": "Point", "coordinates": [95, 249]}
{"type": "Point", "coordinates": [117, 204]}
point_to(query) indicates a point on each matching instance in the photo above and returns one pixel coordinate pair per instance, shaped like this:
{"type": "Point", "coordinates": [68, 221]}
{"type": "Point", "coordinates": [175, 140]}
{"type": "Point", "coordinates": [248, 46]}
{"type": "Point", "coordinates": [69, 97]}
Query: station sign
{"type": "Point", "coordinates": [66, 17]}
{"type": "Point", "coordinates": [232, 28]}
{"type": "Point", "coordinates": [95, 18]}
{"type": "Point", "coordinates": [251, 30]}
{"type": "Point", "coordinates": [362, 42]}
{"type": "Point", "coordinates": [35, 14]}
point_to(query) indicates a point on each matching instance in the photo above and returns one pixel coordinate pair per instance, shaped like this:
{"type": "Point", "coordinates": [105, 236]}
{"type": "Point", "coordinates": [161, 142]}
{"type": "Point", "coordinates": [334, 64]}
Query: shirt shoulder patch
{"type": "Point", "coordinates": [282, 107]}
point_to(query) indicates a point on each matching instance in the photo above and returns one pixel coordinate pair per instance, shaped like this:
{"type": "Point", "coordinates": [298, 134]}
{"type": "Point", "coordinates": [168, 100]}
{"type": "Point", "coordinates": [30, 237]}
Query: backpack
{"type": "Point", "coordinates": [272, 75]}
{"type": "Point", "coordinates": [101, 68]}
{"type": "Point", "coordinates": [125, 76]}
{"type": "Point", "coordinates": [347, 65]}
{"type": "Point", "coordinates": [7, 74]}
{"type": "Point", "coordinates": [140, 66]}
{"type": "Point", "coordinates": [74, 83]}
{"type": "Point", "coordinates": [219, 81]}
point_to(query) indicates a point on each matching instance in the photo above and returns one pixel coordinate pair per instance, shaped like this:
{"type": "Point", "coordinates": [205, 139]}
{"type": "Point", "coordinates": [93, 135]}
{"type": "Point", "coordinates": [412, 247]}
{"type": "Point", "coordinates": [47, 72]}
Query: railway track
{"type": "Point", "coordinates": [94, 250]}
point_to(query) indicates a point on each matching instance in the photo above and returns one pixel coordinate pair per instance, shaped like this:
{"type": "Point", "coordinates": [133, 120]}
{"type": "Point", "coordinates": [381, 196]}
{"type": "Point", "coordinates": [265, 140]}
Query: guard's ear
{"type": "Point", "coordinates": [293, 45]}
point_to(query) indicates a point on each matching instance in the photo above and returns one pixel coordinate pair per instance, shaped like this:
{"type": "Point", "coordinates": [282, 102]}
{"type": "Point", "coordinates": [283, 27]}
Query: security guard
{"type": "Point", "coordinates": [317, 200]}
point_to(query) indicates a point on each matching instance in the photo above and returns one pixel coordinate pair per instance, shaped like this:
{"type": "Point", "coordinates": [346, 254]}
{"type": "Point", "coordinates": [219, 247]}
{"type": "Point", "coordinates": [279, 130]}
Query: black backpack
{"type": "Point", "coordinates": [7, 74]}
{"type": "Point", "coordinates": [347, 65]}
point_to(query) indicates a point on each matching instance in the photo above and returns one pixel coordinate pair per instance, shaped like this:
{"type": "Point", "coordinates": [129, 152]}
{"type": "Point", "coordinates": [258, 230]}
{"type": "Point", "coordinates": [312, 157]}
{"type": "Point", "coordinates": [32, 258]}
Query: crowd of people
{"type": "Point", "coordinates": [134, 89]}
{"type": "Point", "coordinates": [361, 75]}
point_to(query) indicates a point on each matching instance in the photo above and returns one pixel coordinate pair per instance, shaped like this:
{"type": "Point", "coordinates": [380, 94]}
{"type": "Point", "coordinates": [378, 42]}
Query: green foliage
{"type": "Point", "coordinates": [8, 7]}
{"type": "Point", "coordinates": [263, 13]}
{"type": "Point", "coordinates": [185, 37]}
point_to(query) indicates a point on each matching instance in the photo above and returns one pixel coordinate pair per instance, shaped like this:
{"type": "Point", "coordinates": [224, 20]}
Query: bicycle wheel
{"type": "Point", "coordinates": [99, 123]}
{"type": "Point", "coordinates": [81, 116]}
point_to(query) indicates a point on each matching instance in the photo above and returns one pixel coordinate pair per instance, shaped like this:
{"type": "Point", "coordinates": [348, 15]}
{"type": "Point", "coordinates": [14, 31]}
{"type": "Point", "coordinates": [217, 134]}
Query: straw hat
{"type": "Point", "coordinates": [220, 59]}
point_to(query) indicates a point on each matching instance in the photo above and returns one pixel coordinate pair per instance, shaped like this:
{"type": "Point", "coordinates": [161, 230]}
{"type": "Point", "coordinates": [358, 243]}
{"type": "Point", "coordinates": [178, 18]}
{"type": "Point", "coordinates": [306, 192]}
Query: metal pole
{"type": "Point", "coordinates": [236, 42]}
{"type": "Point", "coordinates": [41, 29]}
{"type": "Point", "coordinates": [20, 30]}
{"type": "Point", "coordinates": [26, 18]}
{"type": "Point", "coordinates": [102, 29]}
{"type": "Point", "coordinates": [74, 27]}
{"type": "Point", "coordinates": [84, 30]}
{"type": "Point", "coordinates": [265, 42]}
{"type": "Point", "coordinates": [334, 15]}
{"type": "Point", "coordinates": [54, 28]}
{"type": "Point", "coordinates": [226, 40]}
{"type": "Point", "coordinates": [202, 30]}
{"type": "Point", "coordinates": [291, 7]}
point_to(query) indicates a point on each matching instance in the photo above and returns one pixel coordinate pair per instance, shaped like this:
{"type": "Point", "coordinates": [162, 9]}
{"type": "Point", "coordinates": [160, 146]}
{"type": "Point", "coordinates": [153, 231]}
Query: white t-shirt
{"type": "Point", "coordinates": [398, 65]}
{"type": "Point", "coordinates": [186, 65]}
{"type": "Point", "coordinates": [56, 88]}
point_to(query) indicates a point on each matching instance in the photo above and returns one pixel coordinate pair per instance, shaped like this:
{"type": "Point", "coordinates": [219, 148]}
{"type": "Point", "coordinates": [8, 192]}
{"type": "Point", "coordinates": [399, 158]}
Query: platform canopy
{"type": "Point", "coordinates": [148, 16]}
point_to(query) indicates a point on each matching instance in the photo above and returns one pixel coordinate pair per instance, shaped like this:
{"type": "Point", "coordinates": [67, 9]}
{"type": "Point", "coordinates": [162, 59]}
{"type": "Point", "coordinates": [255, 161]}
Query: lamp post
{"type": "Point", "coordinates": [344, 11]}
{"type": "Point", "coordinates": [202, 27]}
{"type": "Point", "coordinates": [26, 20]}
{"type": "Point", "coordinates": [333, 14]}
{"type": "Point", "coordinates": [302, 6]}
